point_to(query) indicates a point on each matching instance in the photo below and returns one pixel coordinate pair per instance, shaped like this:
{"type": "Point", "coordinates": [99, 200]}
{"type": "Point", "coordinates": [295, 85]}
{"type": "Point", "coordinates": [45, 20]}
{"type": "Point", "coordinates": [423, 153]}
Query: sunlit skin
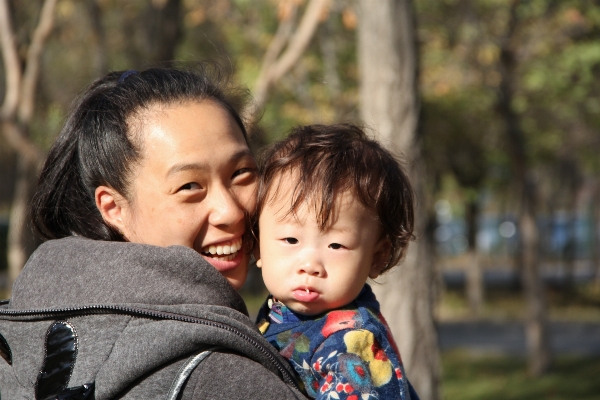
{"type": "Point", "coordinates": [313, 271]}
{"type": "Point", "coordinates": [194, 186]}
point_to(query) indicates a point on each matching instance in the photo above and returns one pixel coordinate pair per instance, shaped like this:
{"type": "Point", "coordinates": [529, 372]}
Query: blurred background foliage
{"type": "Point", "coordinates": [552, 51]}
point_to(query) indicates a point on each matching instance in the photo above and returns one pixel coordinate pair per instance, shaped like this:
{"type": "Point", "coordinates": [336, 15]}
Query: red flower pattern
{"type": "Point", "coordinates": [378, 353]}
{"type": "Point", "coordinates": [339, 320]}
{"type": "Point", "coordinates": [317, 365]}
{"type": "Point", "coordinates": [360, 371]}
{"type": "Point", "coordinates": [398, 373]}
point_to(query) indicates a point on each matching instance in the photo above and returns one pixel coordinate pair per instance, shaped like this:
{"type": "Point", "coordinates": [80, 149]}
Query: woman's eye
{"type": "Point", "coordinates": [190, 186]}
{"type": "Point", "coordinates": [291, 240]}
{"type": "Point", "coordinates": [243, 171]}
{"type": "Point", "coordinates": [335, 246]}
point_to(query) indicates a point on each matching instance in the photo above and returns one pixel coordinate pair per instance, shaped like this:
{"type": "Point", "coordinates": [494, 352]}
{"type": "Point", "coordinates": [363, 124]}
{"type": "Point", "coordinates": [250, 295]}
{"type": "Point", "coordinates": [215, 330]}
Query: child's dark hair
{"type": "Point", "coordinates": [327, 160]}
{"type": "Point", "coordinates": [97, 146]}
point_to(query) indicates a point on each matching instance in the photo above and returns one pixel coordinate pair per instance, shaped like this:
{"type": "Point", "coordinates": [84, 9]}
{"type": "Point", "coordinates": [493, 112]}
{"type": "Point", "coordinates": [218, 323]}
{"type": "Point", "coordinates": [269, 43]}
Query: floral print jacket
{"type": "Point", "coordinates": [347, 353]}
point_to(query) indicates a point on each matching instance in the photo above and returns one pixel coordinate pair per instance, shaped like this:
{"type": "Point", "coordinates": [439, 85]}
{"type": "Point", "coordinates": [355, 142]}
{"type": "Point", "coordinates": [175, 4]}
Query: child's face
{"type": "Point", "coordinates": [313, 271]}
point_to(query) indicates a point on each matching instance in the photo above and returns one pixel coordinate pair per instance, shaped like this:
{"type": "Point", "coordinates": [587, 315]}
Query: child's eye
{"type": "Point", "coordinates": [190, 186]}
{"type": "Point", "coordinates": [336, 246]}
{"type": "Point", "coordinates": [290, 240]}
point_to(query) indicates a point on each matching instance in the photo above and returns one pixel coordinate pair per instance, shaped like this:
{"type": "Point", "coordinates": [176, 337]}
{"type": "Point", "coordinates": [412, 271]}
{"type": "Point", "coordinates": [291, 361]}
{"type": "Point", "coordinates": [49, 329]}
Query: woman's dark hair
{"type": "Point", "coordinates": [96, 146]}
{"type": "Point", "coordinates": [328, 160]}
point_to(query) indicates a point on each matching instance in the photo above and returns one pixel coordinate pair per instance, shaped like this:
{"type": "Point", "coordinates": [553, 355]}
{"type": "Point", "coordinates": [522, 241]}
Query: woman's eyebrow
{"type": "Point", "coordinates": [187, 167]}
{"type": "Point", "coordinates": [241, 154]}
{"type": "Point", "coordinates": [203, 166]}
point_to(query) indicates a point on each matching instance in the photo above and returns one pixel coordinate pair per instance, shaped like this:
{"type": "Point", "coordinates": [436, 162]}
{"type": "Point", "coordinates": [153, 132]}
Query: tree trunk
{"type": "Point", "coordinates": [576, 191]}
{"type": "Point", "coordinates": [474, 273]}
{"type": "Point", "coordinates": [162, 30]}
{"type": "Point", "coordinates": [328, 47]}
{"type": "Point", "coordinates": [568, 286]}
{"type": "Point", "coordinates": [21, 241]}
{"type": "Point", "coordinates": [389, 103]}
{"type": "Point", "coordinates": [595, 215]}
{"type": "Point", "coordinates": [100, 55]}
{"type": "Point", "coordinates": [16, 115]}
{"type": "Point", "coordinates": [536, 330]}
{"type": "Point", "coordinates": [539, 353]}
{"type": "Point", "coordinates": [153, 36]}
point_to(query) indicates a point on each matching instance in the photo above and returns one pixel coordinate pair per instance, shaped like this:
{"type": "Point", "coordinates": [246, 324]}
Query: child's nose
{"type": "Point", "coordinates": [312, 266]}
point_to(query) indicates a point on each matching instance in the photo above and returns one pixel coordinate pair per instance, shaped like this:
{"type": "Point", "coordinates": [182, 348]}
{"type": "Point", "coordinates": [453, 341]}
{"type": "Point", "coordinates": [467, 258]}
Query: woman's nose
{"type": "Point", "coordinates": [225, 209]}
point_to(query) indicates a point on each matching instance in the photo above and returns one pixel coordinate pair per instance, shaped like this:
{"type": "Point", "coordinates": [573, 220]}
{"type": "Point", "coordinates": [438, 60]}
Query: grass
{"type": "Point", "coordinates": [253, 302]}
{"type": "Point", "coordinates": [468, 377]}
{"type": "Point", "coordinates": [580, 304]}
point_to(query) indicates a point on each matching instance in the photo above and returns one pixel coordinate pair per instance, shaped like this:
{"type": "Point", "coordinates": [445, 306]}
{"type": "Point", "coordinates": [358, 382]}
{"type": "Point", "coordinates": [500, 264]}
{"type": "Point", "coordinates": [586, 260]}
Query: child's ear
{"type": "Point", "coordinates": [381, 256]}
{"type": "Point", "coordinates": [256, 255]}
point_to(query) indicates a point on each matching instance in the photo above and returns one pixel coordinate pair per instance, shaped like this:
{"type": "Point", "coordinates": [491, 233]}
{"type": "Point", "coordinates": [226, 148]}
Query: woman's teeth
{"type": "Point", "coordinates": [228, 251]}
{"type": "Point", "coordinates": [228, 257]}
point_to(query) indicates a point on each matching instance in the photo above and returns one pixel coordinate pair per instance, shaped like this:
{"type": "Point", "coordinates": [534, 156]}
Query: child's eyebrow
{"type": "Point", "coordinates": [288, 217]}
{"type": "Point", "coordinates": [341, 230]}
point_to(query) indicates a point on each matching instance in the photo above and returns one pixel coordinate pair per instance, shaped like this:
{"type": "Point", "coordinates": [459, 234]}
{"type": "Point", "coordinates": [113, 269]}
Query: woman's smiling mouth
{"type": "Point", "coordinates": [226, 251]}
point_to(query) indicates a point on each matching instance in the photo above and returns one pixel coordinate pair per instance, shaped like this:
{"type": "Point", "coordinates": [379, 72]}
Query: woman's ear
{"type": "Point", "coordinates": [112, 207]}
{"type": "Point", "coordinates": [381, 257]}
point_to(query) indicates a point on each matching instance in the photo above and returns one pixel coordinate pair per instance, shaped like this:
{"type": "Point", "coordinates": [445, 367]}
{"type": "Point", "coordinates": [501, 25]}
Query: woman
{"type": "Point", "coordinates": [145, 194]}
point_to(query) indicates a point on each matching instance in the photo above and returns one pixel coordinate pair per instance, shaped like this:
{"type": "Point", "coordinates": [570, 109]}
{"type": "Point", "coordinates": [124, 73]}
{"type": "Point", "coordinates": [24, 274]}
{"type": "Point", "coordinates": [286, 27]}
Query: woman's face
{"type": "Point", "coordinates": [194, 185]}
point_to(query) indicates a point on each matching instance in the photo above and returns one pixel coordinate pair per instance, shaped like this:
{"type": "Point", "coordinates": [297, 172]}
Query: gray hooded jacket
{"type": "Point", "coordinates": [103, 320]}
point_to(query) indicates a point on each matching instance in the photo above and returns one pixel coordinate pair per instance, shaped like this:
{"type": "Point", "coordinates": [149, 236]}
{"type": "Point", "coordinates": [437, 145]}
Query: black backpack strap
{"type": "Point", "coordinates": [186, 370]}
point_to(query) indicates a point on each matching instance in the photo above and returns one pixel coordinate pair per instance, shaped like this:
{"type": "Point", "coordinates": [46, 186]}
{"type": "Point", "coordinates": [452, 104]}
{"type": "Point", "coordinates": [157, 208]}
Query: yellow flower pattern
{"type": "Point", "coordinates": [362, 343]}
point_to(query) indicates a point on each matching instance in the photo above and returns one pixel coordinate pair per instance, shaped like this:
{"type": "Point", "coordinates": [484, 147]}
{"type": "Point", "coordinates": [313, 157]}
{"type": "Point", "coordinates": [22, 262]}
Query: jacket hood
{"type": "Point", "coordinates": [135, 314]}
{"type": "Point", "coordinates": [80, 271]}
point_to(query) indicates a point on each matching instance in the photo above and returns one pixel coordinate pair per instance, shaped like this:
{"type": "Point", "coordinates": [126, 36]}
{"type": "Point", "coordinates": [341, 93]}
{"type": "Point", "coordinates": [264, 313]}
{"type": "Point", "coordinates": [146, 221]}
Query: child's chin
{"type": "Point", "coordinates": [307, 311]}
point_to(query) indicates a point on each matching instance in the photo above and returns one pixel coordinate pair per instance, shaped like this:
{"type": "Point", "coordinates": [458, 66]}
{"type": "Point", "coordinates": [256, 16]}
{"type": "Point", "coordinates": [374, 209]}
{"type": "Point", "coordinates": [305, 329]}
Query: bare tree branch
{"type": "Point", "coordinates": [11, 63]}
{"type": "Point", "coordinates": [34, 55]}
{"type": "Point", "coordinates": [301, 39]}
{"type": "Point", "coordinates": [20, 92]}
{"type": "Point", "coordinates": [281, 37]}
{"type": "Point", "coordinates": [14, 135]}
{"type": "Point", "coordinates": [275, 67]}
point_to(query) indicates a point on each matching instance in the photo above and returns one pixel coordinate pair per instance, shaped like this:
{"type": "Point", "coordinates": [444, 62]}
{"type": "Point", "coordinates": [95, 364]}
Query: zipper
{"type": "Point", "coordinates": [144, 313]}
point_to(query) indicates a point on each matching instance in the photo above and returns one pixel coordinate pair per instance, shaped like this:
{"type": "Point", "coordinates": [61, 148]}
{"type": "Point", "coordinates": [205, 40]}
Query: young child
{"type": "Point", "coordinates": [334, 208]}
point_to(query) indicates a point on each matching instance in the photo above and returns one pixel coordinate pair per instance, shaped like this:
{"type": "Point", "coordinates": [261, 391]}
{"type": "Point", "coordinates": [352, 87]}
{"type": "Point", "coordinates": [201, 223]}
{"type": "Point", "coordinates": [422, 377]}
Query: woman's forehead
{"type": "Point", "coordinates": [191, 133]}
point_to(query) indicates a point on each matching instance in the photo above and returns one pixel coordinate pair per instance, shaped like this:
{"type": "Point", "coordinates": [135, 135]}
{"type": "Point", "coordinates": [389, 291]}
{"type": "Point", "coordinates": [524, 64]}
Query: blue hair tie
{"type": "Point", "coordinates": [126, 75]}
